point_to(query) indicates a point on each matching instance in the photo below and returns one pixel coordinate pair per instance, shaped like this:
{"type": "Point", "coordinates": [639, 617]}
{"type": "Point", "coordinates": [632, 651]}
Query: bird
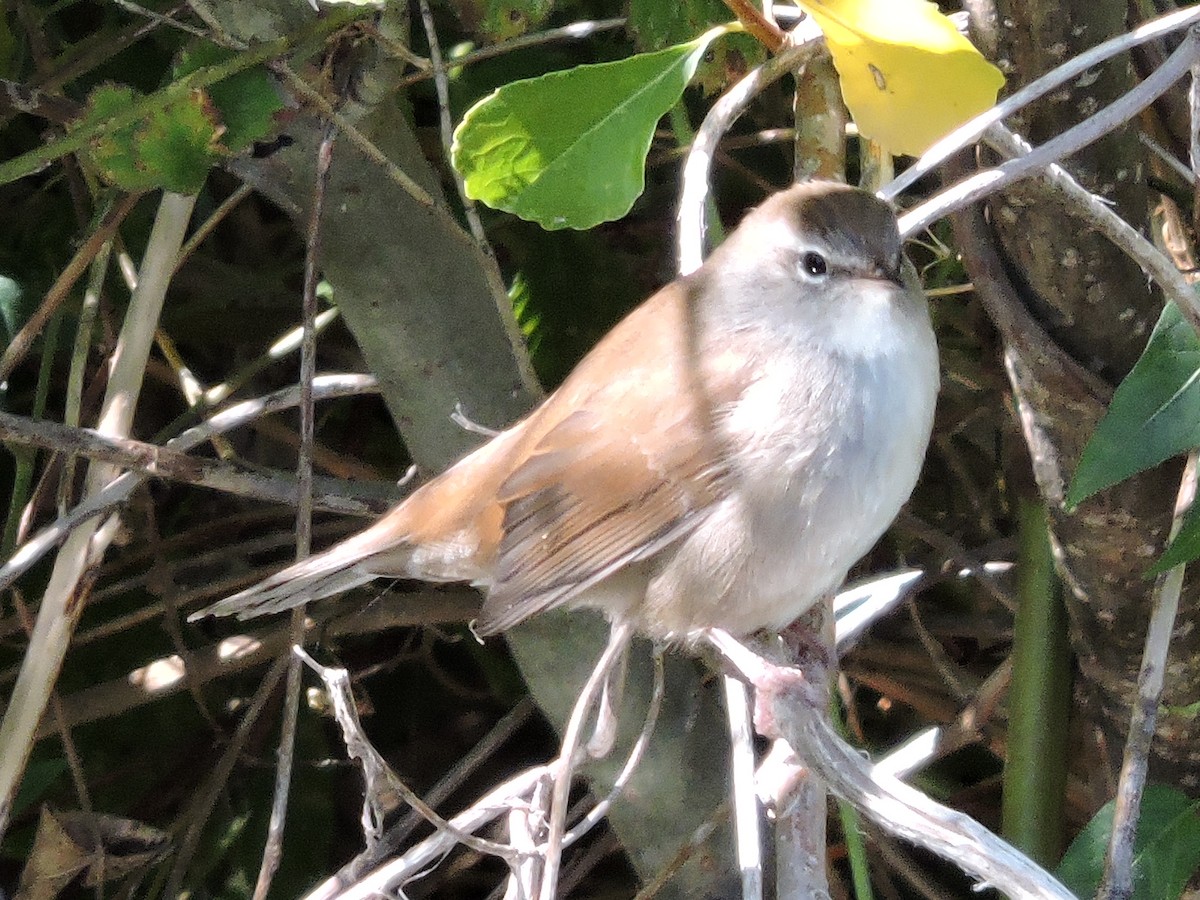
{"type": "Point", "coordinates": [719, 459]}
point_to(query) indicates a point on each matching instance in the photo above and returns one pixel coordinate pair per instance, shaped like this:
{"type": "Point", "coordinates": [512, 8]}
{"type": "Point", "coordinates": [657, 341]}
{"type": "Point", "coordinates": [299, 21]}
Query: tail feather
{"type": "Point", "coordinates": [284, 591]}
{"type": "Point", "coordinates": [333, 571]}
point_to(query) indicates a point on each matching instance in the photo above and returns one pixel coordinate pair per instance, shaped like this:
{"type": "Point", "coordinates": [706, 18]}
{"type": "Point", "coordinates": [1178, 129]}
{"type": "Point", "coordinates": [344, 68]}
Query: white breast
{"type": "Point", "coordinates": [829, 444]}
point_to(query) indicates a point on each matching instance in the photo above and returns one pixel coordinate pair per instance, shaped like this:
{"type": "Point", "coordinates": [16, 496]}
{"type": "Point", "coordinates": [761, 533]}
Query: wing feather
{"type": "Point", "coordinates": [624, 470]}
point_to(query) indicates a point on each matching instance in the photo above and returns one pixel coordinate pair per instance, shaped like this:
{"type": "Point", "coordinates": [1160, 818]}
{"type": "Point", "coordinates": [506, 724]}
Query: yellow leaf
{"type": "Point", "coordinates": [908, 77]}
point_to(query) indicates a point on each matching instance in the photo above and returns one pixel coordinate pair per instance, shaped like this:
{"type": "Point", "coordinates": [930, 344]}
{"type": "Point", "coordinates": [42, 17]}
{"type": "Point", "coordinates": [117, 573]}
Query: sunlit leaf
{"type": "Point", "coordinates": [907, 75]}
{"type": "Point", "coordinates": [568, 149]}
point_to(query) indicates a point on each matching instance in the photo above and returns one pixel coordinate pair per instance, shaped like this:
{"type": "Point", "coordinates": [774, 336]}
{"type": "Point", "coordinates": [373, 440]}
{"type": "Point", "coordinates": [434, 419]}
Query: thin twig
{"type": "Point", "coordinates": [209, 225]}
{"type": "Point", "coordinates": [518, 793]}
{"type": "Point", "coordinates": [245, 651]}
{"type": "Point", "coordinates": [719, 120]}
{"type": "Point", "coordinates": [600, 810]}
{"type": "Point", "coordinates": [159, 19]}
{"type": "Point", "coordinates": [446, 129]}
{"type": "Point", "coordinates": [574, 31]}
{"type": "Point", "coordinates": [1100, 215]}
{"type": "Point", "coordinates": [333, 495]}
{"type": "Point", "coordinates": [390, 843]}
{"type": "Point", "coordinates": [87, 252]}
{"type": "Point", "coordinates": [44, 154]}
{"type": "Point", "coordinates": [485, 262]}
{"type": "Point", "coordinates": [745, 800]}
{"type": "Point", "coordinates": [63, 601]}
{"type": "Point", "coordinates": [1121, 110]}
{"type": "Point", "coordinates": [200, 811]}
{"type": "Point", "coordinates": [377, 774]}
{"type": "Point", "coordinates": [395, 873]}
{"type": "Point", "coordinates": [797, 713]}
{"type": "Point", "coordinates": [1118, 866]}
{"type": "Point", "coordinates": [273, 851]}
{"type": "Point", "coordinates": [620, 635]}
{"type": "Point", "coordinates": [764, 30]}
{"type": "Point", "coordinates": [117, 491]}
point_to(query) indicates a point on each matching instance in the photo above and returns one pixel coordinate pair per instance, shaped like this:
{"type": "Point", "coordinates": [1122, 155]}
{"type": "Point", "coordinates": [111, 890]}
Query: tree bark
{"type": "Point", "coordinates": [1074, 314]}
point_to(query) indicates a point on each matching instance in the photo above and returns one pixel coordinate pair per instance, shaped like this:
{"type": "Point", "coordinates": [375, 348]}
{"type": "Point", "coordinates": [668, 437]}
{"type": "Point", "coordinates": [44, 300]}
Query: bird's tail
{"type": "Point", "coordinates": [330, 572]}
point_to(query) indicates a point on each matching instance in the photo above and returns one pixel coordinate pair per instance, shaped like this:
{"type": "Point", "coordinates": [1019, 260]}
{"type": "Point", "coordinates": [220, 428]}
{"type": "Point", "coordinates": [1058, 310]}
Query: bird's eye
{"type": "Point", "coordinates": [814, 263]}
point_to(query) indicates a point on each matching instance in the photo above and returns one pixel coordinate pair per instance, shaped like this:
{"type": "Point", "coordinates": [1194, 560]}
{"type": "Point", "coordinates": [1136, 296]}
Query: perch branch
{"type": "Point", "coordinates": [788, 706]}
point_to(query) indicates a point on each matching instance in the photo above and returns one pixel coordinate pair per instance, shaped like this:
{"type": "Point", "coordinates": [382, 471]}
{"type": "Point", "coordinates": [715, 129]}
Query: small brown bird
{"type": "Point", "coordinates": [720, 459]}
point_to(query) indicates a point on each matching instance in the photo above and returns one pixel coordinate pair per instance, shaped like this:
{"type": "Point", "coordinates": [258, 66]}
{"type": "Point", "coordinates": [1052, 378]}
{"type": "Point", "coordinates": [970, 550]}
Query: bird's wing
{"type": "Point", "coordinates": [631, 464]}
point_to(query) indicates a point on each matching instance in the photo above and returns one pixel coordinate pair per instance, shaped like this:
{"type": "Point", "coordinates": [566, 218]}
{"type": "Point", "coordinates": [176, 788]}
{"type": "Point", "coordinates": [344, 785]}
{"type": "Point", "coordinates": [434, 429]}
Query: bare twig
{"type": "Point", "coordinates": [523, 792]}
{"type": "Point", "coordinates": [165, 676]}
{"type": "Point", "coordinates": [386, 878]}
{"type": "Point", "coordinates": [209, 225]}
{"type": "Point", "coordinates": [563, 768]}
{"type": "Point", "coordinates": [745, 800]}
{"type": "Point", "coordinates": [600, 810]}
{"type": "Point", "coordinates": [1118, 866]}
{"type": "Point", "coordinates": [63, 601]}
{"type": "Point", "coordinates": [764, 30]}
{"type": "Point", "coordinates": [1121, 110]}
{"type": "Point", "coordinates": [719, 120]}
{"type": "Point", "coordinates": [574, 31]}
{"type": "Point", "coordinates": [377, 774]}
{"type": "Point", "coordinates": [273, 851]}
{"type": "Point", "coordinates": [332, 495]}
{"type": "Point", "coordinates": [1099, 214]}
{"type": "Point", "coordinates": [117, 491]}
{"type": "Point", "coordinates": [23, 340]}
{"type": "Point", "coordinates": [967, 134]}
{"type": "Point", "coordinates": [200, 810]}
{"type": "Point", "coordinates": [485, 261]}
{"type": "Point", "coordinates": [797, 713]}
{"type": "Point", "coordinates": [446, 128]}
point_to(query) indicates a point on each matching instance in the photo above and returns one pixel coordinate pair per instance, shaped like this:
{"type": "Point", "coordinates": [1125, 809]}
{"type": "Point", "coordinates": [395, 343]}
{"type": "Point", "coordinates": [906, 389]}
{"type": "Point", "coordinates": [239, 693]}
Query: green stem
{"type": "Point", "coordinates": [1039, 700]}
{"type": "Point", "coordinates": [856, 851]}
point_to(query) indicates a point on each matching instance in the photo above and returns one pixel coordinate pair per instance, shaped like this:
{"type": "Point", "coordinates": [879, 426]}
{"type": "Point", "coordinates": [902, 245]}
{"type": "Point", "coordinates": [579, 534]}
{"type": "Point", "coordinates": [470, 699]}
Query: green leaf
{"type": "Point", "coordinates": [568, 149]}
{"type": "Point", "coordinates": [180, 144]}
{"type": "Point", "coordinates": [1166, 850]}
{"type": "Point", "coordinates": [1154, 415]}
{"type": "Point", "coordinates": [173, 147]}
{"type": "Point", "coordinates": [246, 101]}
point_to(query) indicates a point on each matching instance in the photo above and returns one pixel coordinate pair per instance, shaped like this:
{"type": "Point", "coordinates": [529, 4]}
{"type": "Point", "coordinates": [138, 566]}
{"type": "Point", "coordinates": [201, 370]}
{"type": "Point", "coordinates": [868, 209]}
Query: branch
{"type": "Point", "coordinates": [334, 495]}
{"type": "Point", "coordinates": [788, 707]}
{"type": "Point", "coordinates": [118, 490]}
